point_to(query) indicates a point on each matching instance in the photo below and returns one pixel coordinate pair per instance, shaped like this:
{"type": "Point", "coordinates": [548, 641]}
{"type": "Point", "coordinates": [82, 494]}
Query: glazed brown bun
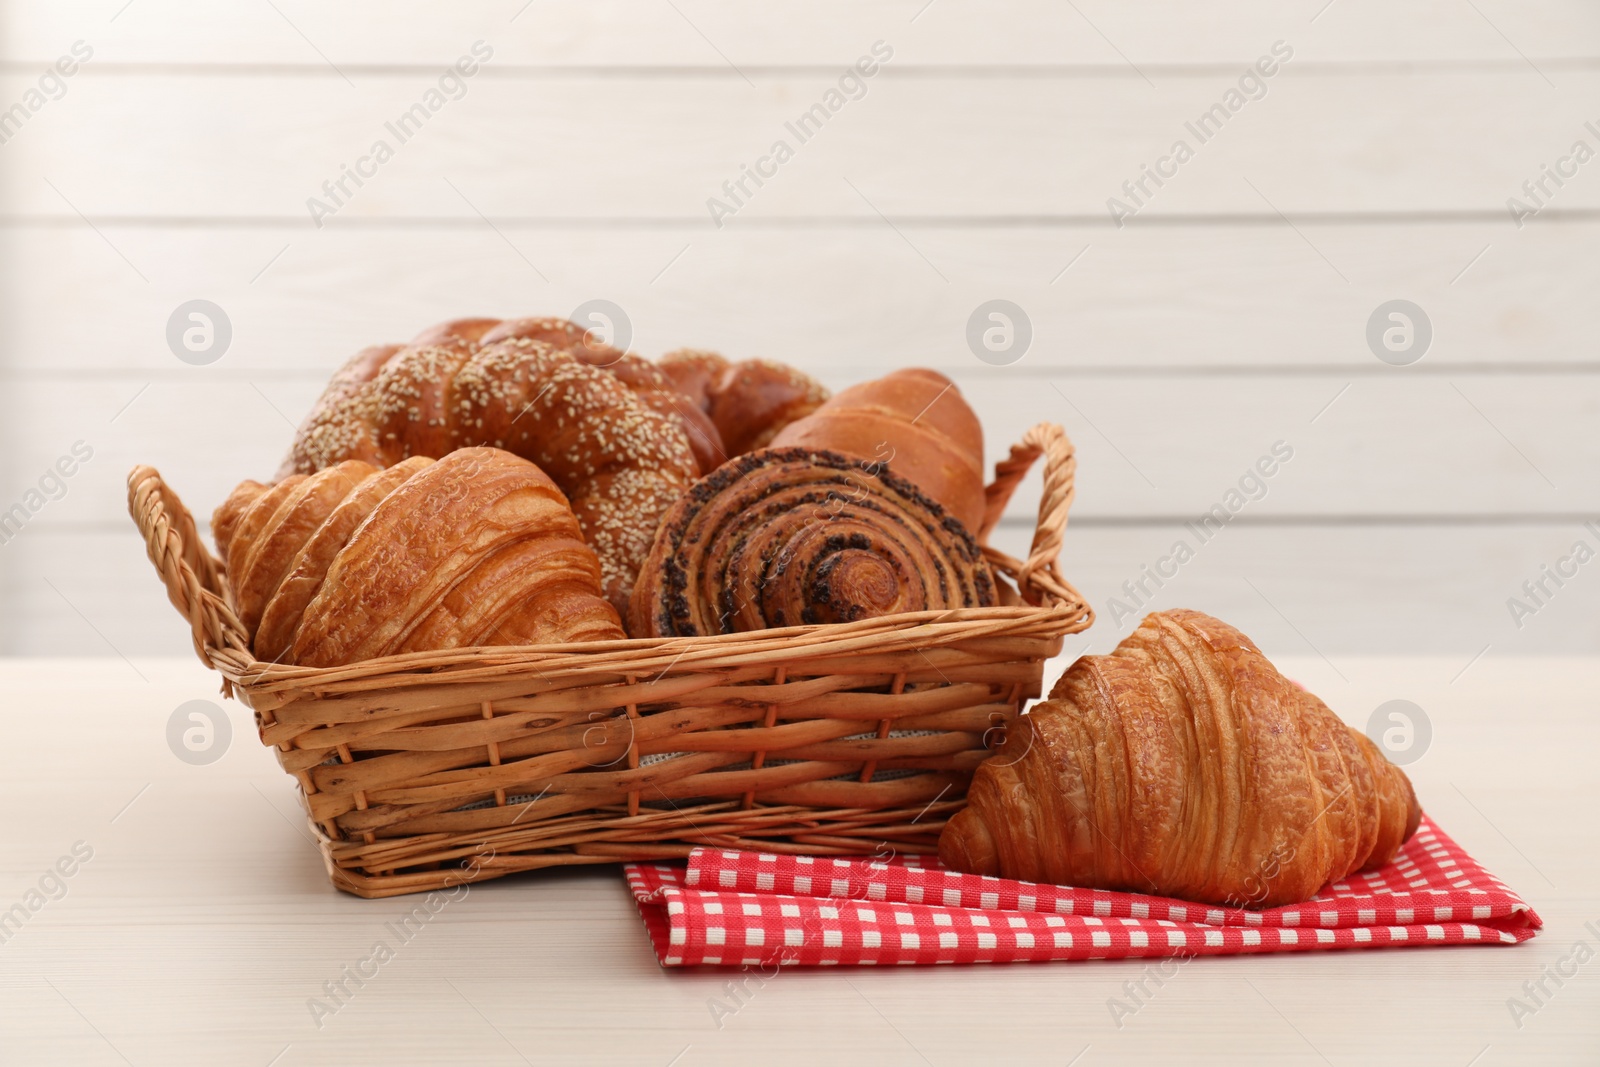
{"type": "Point", "coordinates": [917, 422]}
{"type": "Point", "coordinates": [749, 401]}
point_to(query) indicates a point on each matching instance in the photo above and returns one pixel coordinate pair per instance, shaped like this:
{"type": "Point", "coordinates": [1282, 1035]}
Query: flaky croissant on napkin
{"type": "Point", "coordinates": [1185, 765]}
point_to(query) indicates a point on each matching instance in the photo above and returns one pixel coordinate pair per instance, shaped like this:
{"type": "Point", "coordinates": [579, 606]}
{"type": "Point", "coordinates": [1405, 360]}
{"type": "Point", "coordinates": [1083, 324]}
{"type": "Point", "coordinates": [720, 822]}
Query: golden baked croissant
{"type": "Point", "coordinates": [917, 422]}
{"type": "Point", "coordinates": [352, 562]}
{"type": "Point", "coordinates": [749, 401]}
{"type": "Point", "coordinates": [795, 536]}
{"type": "Point", "coordinates": [304, 575]}
{"type": "Point", "coordinates": [1183, 764]}
{"type": "Point", "coordinates": [619, 461]}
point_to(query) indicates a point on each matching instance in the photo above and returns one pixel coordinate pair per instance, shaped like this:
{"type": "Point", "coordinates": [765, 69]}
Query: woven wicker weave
{"type": "Point", "coordinates": [425, 770]}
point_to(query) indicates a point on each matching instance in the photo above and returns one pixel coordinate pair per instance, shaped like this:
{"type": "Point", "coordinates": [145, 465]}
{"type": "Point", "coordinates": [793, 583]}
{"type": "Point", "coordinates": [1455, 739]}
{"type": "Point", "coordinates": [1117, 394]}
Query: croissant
{"type": "Point", "coordinates": [352, 562]}
{"type": "Point", "coordinates": [618, 460]}
{"type": "Point", "coordinates": [749, 401]}
{"type": "Point", "coordinates": [303, 576]}
{"type": "Point", "coordinates": [1183, 764]}
{"type": "Point", "coordinates": [916, 421]}
{"type": "Point", "coordinates": [792, 536]}
{"type": "Point", "coordinates": [226, 518]}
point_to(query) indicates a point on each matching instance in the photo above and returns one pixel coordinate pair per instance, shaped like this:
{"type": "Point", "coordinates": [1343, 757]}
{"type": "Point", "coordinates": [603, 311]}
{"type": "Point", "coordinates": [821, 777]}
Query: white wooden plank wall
{"type": "Point", "coordinates": [1228, 314]}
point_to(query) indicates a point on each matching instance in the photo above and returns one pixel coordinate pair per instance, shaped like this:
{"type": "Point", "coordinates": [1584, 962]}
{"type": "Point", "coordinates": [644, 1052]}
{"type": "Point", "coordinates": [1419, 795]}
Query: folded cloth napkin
{"type": "Point", "coordinates": [736, 909]}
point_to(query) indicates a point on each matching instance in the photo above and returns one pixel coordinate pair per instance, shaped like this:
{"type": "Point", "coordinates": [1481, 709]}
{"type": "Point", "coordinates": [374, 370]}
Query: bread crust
{"type": "Point", "coordinates": [915, 421]}
{"type": "Point", "coordinates": [354, 562]}
{"type": "Point", "coordinates": [793, 536]}
{"type": "Point", "coordinates": [748, 401]}
{"type": "Point", "coordinates": [422, 541]}
{"type": "Point", "coordinates": [1185, 765]}
{"type": "Point", "coordinates": [281, 619]}
{"type": "Point", "coordinates": [542, 388]}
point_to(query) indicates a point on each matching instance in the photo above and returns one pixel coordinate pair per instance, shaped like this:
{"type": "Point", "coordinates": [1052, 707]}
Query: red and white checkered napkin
{"type": "Point", "coordinates": [736, 909]}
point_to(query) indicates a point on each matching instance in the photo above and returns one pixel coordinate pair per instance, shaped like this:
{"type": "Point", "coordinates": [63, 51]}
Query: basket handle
{"type": "Point", "coordinates": [1038, 578]}
{"type": "Point", "coordinates": [192, 575]}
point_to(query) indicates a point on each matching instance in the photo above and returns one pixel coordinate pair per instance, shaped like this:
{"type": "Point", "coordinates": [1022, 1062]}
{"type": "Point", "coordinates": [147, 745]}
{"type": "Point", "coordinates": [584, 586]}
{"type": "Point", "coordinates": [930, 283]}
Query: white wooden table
{"type": "Point", "coordinates": [203, 922]}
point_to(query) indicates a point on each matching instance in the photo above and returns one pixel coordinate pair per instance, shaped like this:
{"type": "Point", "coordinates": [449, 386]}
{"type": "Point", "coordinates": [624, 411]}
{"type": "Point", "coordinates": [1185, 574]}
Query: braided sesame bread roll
{"type": "Point", "coordinates": [649, 382]}
{"type": "Point", "coordinates": [621, 464]}
{"type": "Point", "coordinates": [557, 333]}
{"type": "Point", "coordinates": [786, 537]}
{"type": "Point", "coordinates": [461, 334]}
{"type": "Point", "coordinates": [475, 382]}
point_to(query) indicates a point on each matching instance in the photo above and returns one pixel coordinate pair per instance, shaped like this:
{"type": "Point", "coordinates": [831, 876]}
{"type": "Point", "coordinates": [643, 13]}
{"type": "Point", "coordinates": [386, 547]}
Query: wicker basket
{"type": "Point", "coordinates": [425, 770]}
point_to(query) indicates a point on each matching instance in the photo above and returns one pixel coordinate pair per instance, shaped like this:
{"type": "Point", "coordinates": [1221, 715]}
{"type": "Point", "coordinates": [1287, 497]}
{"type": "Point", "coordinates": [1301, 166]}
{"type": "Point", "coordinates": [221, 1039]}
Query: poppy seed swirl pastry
{"type": "Point", "coordinates": [796, 536]}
